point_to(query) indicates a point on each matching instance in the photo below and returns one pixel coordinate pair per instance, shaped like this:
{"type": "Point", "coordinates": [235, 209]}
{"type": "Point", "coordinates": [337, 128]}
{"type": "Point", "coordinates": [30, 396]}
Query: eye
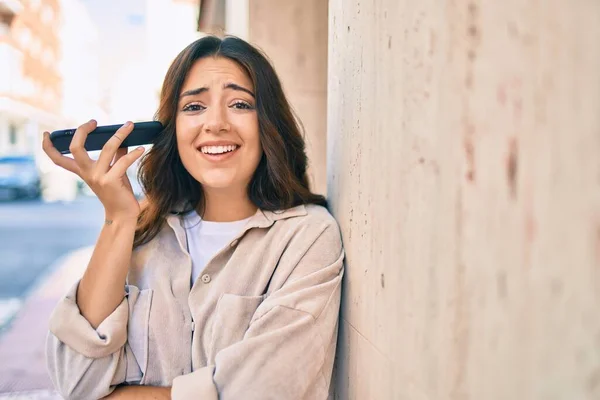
{"type": "Point", "coordinates": [193, 107]}
{"type": "Point", "coordinates": [242, 105]}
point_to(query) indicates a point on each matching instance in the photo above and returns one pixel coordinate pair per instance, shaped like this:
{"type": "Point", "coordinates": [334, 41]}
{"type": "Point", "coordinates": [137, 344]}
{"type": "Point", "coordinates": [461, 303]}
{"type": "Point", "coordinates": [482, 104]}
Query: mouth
{"type": "Point", "coordinates": [218, 153]}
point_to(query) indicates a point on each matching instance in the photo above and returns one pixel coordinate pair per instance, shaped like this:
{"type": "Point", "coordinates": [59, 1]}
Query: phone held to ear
{"type": "Point", "coordinates": [143, 133]}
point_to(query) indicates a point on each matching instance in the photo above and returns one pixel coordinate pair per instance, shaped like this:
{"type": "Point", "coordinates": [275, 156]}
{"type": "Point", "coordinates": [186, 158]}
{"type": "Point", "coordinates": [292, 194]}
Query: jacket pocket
{"type": "Point", "coordinates": [140, 303]}
{"type": "Point", "coordinates": [232, 318]}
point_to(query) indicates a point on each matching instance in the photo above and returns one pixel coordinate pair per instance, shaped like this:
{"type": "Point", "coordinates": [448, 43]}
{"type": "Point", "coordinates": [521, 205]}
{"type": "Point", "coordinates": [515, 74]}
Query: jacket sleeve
{"type": "Point", "coordinates": [88, 363]}
{"type": "Point", "coordinates": [289, 347]}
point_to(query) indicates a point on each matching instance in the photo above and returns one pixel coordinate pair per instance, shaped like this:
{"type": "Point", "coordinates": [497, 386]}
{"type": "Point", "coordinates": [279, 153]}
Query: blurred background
{"type": "Point", "coordinates": [457, 141]}
{"type": "Point", "coordinates": [63, 62]}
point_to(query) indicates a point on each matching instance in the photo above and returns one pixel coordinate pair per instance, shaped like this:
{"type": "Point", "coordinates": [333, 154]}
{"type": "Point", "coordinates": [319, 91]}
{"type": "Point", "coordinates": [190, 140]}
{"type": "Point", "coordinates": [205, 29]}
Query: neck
{"type": "Point", "coordinates": [226, 205]}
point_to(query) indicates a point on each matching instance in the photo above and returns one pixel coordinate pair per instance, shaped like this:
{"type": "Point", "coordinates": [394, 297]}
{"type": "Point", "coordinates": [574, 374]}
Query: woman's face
{"type": "Point", "coordinates": [217, 125]}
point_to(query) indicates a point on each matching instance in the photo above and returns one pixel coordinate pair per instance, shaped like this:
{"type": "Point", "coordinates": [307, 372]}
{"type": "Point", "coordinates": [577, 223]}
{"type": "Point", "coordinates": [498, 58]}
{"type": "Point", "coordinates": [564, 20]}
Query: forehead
{"type": "Point", "coordinates": [210, 71]}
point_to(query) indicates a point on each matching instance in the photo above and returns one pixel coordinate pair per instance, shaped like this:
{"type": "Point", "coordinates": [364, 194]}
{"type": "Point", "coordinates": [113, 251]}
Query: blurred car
{"type": "Point", "coordinates": [19, 178]}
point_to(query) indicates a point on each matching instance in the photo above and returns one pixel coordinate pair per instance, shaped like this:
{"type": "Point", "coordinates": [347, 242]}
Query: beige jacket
{"type": "Point", "coordinates": [259, 323]}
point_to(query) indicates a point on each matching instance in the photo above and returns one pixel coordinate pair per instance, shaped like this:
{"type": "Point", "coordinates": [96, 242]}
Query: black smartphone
{"type": "Point", "coordinates": [143, 133]}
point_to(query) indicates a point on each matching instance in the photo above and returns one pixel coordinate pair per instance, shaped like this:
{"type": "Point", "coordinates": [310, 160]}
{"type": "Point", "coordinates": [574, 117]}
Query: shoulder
{"type": "Point", "coordinates": [306, 214]}
{"type": "Point", "coordinates": [319, 214]}
{"type": "Point", "coordinates": [320, 221]}
{"type": "Point", "coordinates": [308, 220]}
{"type": "Point", "coordinates": [310, 229]}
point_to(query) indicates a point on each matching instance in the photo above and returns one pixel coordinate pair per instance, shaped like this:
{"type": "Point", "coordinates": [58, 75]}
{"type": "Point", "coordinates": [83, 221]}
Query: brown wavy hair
{"type": "Point", "coordinates": [280, 180]}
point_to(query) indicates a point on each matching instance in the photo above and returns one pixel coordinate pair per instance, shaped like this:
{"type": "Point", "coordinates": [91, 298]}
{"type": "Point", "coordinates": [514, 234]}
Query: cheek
{"type": "Point", "coordinates": [251, 136]}
{"type": "Point", "coordinates": [256, 151]}
{"type": "Point", "coordinates": [183, 130]}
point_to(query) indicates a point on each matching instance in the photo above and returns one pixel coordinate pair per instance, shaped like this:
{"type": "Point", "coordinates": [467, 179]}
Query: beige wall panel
{"type": "Point", "coordinates": [293, 33]}
{"type": "Point", "coordinates": [464, 169]}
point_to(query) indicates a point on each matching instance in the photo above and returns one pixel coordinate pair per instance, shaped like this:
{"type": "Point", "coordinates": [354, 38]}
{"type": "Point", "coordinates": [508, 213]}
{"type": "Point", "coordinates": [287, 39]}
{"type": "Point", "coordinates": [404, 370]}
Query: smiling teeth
{"type": "Point", "coordinates": [217, 149]}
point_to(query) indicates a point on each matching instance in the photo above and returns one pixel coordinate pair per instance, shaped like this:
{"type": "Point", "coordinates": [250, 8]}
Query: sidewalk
{"type": "Point", "coordinates": [22, 347]}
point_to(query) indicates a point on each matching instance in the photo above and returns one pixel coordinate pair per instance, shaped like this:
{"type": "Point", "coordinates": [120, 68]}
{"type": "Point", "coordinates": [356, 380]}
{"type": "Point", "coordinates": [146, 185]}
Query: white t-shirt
{"type": "Point", "coordinates": [205, 239]}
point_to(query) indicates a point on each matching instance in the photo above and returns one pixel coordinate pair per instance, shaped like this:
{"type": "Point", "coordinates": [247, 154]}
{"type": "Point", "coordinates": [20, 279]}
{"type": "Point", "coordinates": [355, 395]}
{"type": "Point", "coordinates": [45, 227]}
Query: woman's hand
{"type": "Point", "coordinates": [108, 181]}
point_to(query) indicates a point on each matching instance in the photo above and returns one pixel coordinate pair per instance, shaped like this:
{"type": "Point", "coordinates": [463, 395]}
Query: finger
{"type": "Point", "coordinates": [62, 161]}
{"type": "Point", "coordinates": [120, 167]}
{"type": "Point", "coordinates": [110, 148]}
{"type": "Point", "coordinates": [120, 153]}
{"type": "Point", "coordinates": [77, 146]}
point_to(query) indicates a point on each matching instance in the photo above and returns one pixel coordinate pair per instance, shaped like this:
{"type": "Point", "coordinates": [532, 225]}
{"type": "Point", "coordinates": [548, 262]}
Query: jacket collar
{"type": "Point", "coordinates": [264, 219]}
{"type": "Point", "coordinates": [260, 219]}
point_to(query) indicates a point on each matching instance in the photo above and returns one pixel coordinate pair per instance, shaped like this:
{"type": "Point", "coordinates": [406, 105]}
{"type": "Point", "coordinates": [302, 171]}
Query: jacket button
{"type": "Point", "coordinates": [206, 278]}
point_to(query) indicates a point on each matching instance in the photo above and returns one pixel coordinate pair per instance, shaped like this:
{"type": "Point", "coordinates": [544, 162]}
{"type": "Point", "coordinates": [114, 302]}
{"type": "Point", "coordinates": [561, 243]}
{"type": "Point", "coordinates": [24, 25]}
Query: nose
{"type": "Point", "coordinates": [216, 120]}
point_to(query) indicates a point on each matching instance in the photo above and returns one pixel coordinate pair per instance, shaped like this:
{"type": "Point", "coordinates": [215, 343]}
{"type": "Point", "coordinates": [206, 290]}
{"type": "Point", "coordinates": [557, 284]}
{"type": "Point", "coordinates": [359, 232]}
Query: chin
{"type": "Point", "coordinates": [219, 185]}
{"type": "Point", "coordinates": [217, 181]}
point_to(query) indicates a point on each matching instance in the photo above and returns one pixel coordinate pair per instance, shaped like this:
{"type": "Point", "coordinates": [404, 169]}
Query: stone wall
{"type": "Point", "coordinates": [464, 169]}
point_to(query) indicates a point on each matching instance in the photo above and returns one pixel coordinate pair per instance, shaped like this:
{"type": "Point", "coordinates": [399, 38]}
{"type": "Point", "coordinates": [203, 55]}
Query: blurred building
{"type": "Point", "coordinates": [30, 80]}
{"type": "Point", "coordinates": [49, 79]}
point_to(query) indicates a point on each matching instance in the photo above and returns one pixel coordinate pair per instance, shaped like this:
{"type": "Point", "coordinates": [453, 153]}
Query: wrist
{"type": "Point", "coordinates": [113, 220]}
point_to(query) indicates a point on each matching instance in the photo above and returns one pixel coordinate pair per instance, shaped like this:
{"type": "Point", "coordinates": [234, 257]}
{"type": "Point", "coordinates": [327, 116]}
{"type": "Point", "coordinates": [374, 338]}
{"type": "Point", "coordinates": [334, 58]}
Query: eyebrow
{"type": "Point", "coordinates": [232, 86]}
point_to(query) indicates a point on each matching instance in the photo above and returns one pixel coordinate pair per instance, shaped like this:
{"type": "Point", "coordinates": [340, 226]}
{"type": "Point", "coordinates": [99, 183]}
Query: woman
{"type": "Point", "coordinates": [225, 283]}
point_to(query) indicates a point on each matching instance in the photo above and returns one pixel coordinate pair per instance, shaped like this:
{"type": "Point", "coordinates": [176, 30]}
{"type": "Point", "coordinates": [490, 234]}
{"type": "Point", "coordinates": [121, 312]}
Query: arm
{"type": "Point", "coordinates": [101, 289]}
{"type": "Point", "coordinates": [87, 363]}
{"type": "Point", "coordinates": [86, 347]}
{"type": "Point", "coordinates": [288, 350]}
